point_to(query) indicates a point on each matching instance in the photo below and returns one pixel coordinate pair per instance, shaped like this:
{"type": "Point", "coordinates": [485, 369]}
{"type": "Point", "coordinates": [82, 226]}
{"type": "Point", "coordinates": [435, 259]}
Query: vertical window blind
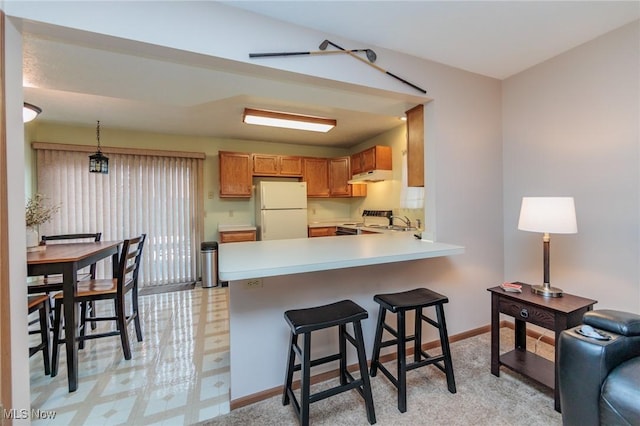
{"type": "Point", "coordinates": [157, 195]}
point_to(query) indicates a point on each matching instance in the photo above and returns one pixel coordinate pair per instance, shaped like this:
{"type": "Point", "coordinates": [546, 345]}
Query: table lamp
{"type": "Point", "coordinates": [549, 215]}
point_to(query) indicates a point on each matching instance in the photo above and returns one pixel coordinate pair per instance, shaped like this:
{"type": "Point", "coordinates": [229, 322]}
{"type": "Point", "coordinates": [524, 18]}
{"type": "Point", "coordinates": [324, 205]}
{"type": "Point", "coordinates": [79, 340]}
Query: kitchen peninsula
{"type": "Point", "coordinates": [266, 278]}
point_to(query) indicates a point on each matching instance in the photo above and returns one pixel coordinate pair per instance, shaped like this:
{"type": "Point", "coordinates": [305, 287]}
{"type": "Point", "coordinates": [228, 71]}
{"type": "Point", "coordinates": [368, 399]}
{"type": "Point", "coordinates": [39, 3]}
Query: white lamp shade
{"type": "Point", "coordinates": [553, 215]}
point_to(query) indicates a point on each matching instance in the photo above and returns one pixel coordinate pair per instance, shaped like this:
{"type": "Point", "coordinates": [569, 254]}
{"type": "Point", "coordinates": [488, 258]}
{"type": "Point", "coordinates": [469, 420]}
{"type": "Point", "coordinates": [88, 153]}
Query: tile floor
{"type": "Point", "coordinates": [179, 374]}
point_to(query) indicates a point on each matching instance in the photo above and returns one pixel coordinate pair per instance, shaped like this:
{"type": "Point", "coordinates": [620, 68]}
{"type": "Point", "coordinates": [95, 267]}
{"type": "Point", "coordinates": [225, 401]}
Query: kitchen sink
{"type": "Point", "coordinates": [402, 228]}
{"type": "Point", "coordinates": [393, 227]}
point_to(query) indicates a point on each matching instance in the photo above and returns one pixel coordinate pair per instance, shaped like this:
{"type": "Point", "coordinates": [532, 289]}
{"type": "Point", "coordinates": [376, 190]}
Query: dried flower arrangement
{"type": "Point", "coordinates": [38, 212]}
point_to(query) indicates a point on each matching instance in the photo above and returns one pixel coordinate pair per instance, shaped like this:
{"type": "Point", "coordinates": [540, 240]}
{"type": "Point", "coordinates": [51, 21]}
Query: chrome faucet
{"type": "Point", "coordinates": [405, 220]}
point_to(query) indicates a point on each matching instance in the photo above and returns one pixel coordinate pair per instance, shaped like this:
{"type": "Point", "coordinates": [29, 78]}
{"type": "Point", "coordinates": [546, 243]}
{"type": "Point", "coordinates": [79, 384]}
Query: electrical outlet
{"type": "Point", "coordinates": [230, 213]}
{"type": "Point", "coordinates": [253, 283]}
{"type": "Point", "coordinates": [210, 195]}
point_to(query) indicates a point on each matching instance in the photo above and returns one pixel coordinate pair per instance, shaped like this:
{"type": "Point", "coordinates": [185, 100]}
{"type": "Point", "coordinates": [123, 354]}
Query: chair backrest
{"type": "Point", "coordinates": [95, 236]}
{"type": "Point", "coordinates": [77, 238]}
{"type": "Point", "coordinates": [129, 264]}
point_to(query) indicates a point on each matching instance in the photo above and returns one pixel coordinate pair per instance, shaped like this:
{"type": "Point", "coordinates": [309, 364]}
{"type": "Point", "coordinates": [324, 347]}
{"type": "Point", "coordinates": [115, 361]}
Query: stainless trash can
{"type": "Point", "coordinates": [209, 251]}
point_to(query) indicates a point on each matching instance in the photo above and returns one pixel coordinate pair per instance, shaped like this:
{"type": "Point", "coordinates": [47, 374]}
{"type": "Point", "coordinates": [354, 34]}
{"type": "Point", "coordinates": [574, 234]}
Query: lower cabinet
{"type": "Point", "coordinates": [324, 231]}
{"type": "Point", "coordinates": [237, 236]}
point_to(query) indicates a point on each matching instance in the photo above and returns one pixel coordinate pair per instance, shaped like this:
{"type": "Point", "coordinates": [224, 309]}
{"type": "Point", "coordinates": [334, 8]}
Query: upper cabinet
{"type": "Point", "coordinates": [277, 165]}
{"type": "Point", "coordinates": [415, 146]}
{"type": "Point", "coordinates": [325, 177]}
{"type": "Point", "coordinates": [339, 174]}
{"type": "Point", "coordinates": [316, 174]}
{"type": "Point", "coordinates": [235, 174]}
{"type": "Point", "coordinates": [375, 158]}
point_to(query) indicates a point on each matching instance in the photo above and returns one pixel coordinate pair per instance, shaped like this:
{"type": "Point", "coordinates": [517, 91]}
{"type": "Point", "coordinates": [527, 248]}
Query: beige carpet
{"type": "Point", "coordinates": [481, 398]}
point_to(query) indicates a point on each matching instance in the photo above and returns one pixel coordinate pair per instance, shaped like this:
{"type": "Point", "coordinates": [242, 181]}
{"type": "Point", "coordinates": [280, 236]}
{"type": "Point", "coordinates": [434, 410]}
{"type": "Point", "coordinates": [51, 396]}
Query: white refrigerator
{"type": "Point", "coordinates": [281, 210]}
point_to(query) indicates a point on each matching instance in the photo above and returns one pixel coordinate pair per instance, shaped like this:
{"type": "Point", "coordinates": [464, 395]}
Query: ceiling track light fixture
{"type": "Point", "coordinates": [29, 112]}
{"type": "Point", "coordinates": [287, 120]}
{"type": "Point", "coordinates": [98, 163]}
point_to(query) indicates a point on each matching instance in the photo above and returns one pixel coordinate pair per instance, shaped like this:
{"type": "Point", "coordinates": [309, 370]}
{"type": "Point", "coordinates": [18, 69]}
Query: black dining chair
{"type": "Point", "coordinates": [114, 289]}
{"type": "Point", "coordinates": [40, 304]}
{"type": "Point", "coordinates": [50, 284]}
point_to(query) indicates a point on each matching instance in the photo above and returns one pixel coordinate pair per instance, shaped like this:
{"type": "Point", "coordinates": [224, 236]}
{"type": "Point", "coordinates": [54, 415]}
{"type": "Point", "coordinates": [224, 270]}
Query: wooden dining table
{"type": "Point", "coordinates": [67, 259]}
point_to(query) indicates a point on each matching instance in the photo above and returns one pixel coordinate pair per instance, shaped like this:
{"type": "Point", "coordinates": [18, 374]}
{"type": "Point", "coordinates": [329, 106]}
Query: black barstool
{"type": "Point", "coordinates": [304, 321]}
{"type": "Point", "coordinates": [399, 304]}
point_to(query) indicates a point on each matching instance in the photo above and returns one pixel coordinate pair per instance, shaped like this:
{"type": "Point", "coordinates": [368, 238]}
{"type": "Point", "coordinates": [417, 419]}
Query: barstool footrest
{"type": "Point", "coordinates": [428, 361]}
{"type": "Point", "coordinates": [319, 396]}
{"type": "Point", "coordinates": [319, 361]}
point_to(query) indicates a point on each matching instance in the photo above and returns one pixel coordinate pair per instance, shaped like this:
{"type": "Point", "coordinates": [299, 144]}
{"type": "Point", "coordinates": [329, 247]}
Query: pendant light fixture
{"type": "Point", "coordinates": [98, 163]}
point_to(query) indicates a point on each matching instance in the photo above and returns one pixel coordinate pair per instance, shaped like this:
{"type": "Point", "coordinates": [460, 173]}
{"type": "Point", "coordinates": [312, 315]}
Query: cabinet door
{"type": "Point", "coordinates": [339, 174]}
{"type": "Point", "coordinates": [356, 163]}
{"type": "Point", "coordinates": [316, 174]}
{"type": "Point", "coordinates": [265, 165]}
{"type": "Point", "coordinates": [235, 174]}
{"type": "Point", "coordinates": [290, 166]}
{"type": "Point", "coordinates": [359, 190]}
{"type": "Point", "coordinates": [368, 160]}
{"type": "Point", "coordinates": [415, 146]}
{"type": "Point", "coordinates": [377, 157]}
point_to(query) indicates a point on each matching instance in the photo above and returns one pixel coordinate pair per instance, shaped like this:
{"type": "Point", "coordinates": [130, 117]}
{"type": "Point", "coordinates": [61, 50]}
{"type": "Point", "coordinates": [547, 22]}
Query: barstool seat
{"type": "Point", "coordinates": [399, 303]}
{"type": "Point", "coordinates": [305, 321]}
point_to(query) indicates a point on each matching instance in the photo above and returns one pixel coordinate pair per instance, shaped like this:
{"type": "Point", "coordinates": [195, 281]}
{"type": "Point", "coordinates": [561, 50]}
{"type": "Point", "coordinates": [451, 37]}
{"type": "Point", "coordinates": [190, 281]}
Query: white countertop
{"type": "Point", "coordinates": [231, 228]}
{"type": "Point", "coordinates": [255, 259]}
{"type": "Point", "coordinates": [332, 222]}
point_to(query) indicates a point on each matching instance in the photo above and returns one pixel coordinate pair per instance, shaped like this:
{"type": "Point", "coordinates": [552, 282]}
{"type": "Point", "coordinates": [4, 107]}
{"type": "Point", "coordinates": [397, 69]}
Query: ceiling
{"type": "Point", "coordinates": [78, 78]}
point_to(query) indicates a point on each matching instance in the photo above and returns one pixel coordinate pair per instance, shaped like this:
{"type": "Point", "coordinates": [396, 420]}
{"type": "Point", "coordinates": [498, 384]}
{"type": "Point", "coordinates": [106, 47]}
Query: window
{"type": "Point", "coordinates": [152, 193]}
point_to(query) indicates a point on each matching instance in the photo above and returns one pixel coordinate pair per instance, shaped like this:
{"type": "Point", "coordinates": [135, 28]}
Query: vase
{"type": "Point", "coordinates": [33, 239]}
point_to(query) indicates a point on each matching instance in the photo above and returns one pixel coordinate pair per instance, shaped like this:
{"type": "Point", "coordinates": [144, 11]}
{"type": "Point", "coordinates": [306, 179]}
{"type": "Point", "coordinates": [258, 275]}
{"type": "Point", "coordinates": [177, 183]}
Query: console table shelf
{"type": "Point", "coordinates": [531, 365]}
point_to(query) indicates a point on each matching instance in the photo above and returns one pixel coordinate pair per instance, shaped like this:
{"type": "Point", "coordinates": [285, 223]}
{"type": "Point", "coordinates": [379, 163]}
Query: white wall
{"type": "Point", "coordinates": [21, 398]}
{"type": "Point", "coordinates": [571, 127]}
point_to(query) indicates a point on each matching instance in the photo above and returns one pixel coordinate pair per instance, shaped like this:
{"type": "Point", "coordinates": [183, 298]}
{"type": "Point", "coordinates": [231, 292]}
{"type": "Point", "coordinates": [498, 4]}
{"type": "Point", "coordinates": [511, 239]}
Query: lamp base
{"type": "Point", "coordinates": [546, 290]}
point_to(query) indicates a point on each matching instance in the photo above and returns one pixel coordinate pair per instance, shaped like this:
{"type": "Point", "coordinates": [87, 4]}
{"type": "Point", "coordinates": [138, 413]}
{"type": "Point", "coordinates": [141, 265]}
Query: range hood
{"type": "Point", "coordinates": [371, 176]}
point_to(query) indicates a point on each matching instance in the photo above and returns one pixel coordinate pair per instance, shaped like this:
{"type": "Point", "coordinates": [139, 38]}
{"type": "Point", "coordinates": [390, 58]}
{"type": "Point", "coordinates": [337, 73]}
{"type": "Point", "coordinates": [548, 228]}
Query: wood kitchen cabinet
{"type": "Point", "coordinates": [339, 174]}
{"type": "Point", "coordinates": [316, 174]}
{"type": "Point", "coordinates": [415, 146]}
{"type": "Point", "coordinates": [324, 231]}
{"type": "Point", "coordinates": [358, 190]}
{"type": "Point", "coordinates": [237, 236]}
{"type": "Point", "coordinates": [277, 165]}
{"type": "Point", "coordinates": [235, 174]}
{"type": "Point", "coordinates": [375, 158]}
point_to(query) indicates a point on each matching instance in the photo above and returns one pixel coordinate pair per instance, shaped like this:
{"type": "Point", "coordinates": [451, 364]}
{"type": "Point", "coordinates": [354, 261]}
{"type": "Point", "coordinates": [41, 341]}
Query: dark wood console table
{"type": "Point", "coordinates": [557, 314]}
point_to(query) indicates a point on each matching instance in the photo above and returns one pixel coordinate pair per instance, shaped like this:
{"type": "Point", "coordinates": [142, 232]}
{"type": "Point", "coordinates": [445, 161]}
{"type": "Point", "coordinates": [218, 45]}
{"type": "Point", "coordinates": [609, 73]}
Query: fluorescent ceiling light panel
{"type": "Point", "coordinates": [287, 120]}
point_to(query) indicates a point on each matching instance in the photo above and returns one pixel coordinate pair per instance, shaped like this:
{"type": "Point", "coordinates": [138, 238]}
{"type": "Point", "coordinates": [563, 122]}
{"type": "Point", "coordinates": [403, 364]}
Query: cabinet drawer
{"type": "Point", "coordinates": [528, 313]}
{"type": "Point", "coordinates": [325, 231]}
{"type": "Point", "coordinates": [237, 236]}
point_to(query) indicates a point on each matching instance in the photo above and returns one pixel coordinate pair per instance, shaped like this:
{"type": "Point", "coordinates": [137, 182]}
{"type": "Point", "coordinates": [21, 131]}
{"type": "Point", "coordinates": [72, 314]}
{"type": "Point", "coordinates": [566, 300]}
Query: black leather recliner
{"type": "Point", "coordinates": [599, 380]}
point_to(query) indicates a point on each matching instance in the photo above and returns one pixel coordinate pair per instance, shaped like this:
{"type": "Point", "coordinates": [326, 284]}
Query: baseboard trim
{"type": "Point", "coordinates": [322, 377]}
